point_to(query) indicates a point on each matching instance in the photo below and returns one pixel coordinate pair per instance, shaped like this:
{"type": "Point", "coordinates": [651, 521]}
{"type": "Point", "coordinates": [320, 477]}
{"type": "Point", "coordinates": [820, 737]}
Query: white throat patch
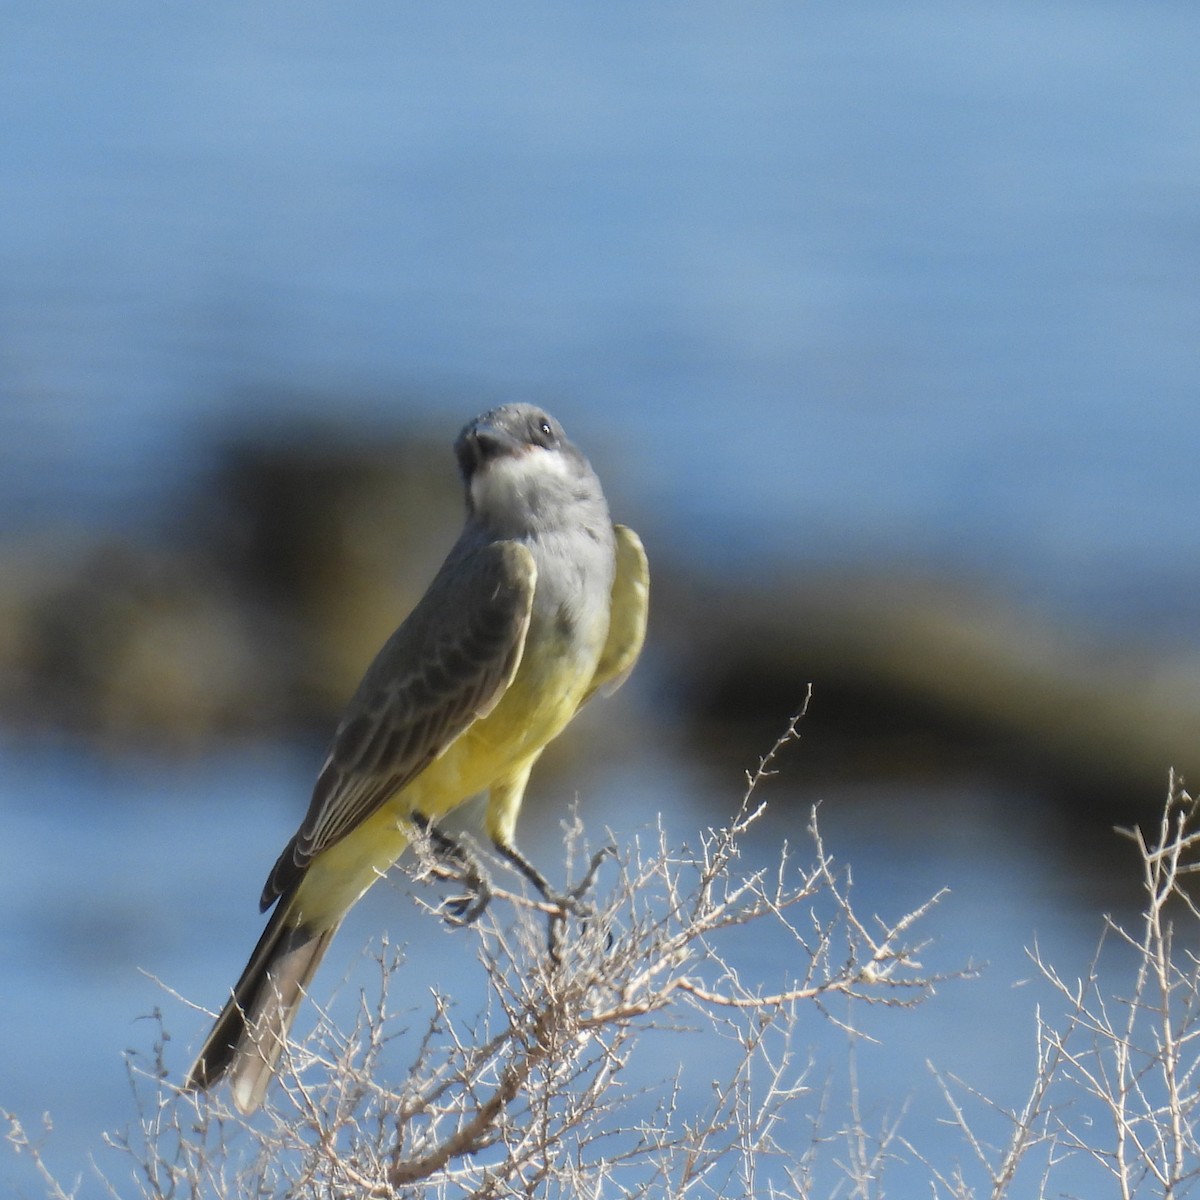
{"type": "Point", "coordinates": [506, 489]}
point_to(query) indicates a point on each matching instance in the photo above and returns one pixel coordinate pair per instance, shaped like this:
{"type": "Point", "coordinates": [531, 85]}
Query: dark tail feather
{"type": "Point", "coordinates": [251, 1031]}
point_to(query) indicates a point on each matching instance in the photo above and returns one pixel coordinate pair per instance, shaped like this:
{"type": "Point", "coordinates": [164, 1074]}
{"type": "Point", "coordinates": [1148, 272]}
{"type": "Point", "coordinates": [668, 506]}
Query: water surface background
{"type": "Point", "coordinates": [815, 285]}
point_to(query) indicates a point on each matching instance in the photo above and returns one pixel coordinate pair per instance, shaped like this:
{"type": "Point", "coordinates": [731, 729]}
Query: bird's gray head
{"type": "Point", "coordinates": [521, 473]}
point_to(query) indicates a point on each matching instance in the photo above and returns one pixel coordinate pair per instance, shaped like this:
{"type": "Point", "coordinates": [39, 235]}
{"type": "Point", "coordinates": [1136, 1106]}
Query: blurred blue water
{"type": "Point", "coordinates": [822, 281]}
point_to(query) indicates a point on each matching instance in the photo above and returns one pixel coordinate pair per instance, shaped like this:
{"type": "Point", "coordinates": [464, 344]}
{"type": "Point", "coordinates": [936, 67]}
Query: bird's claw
{"type": "Point", "coordinates": [455, 860]}
{"type": "Point", "coordinates": [572, 904]}
{"type": "Point", "coordinates": [469, 907]}
{"type": "Point", "coordinates": [588, 881]}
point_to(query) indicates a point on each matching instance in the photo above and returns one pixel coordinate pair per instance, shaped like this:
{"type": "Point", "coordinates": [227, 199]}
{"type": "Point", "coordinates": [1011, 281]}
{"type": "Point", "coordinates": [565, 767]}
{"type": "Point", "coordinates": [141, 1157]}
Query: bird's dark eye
{"type": "Point", "coordinates": [545, 428]}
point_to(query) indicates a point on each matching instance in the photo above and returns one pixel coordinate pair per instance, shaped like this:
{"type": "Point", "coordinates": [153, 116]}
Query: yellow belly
{"type": "Point", "coordinates": [538, 704]}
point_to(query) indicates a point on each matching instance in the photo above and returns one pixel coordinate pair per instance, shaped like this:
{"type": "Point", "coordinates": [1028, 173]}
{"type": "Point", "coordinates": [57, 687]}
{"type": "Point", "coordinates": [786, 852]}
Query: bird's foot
{"type": "Point", "coordinates": [468, 907]}
{"type": "Point", "coordinates": [585, 885]}
{"type": "Point", "coordinates": [561, 905]}
{"type": "Point", "coordinates": [454, 859]}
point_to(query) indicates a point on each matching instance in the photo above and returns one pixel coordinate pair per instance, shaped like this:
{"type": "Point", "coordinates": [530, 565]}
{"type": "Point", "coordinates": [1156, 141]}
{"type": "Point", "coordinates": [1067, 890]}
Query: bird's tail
{"type": "Point", "coordinates": [251, 1031]}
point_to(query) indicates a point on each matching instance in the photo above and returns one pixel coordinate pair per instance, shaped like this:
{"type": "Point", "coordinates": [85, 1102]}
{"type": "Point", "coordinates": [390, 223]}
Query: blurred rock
{"type": "Point", "coordinates": [131, 645]}
{"type": "Point", "coordinates": [281, 580]}
{"type": "Point", "coordinates": [338, 537]}
{"type": "Point", "coordinates": [924, 677]}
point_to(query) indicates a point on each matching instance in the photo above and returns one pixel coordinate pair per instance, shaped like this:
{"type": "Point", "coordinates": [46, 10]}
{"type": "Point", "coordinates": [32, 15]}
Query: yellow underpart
{"type": "Point", "coordinates": [495, 754]}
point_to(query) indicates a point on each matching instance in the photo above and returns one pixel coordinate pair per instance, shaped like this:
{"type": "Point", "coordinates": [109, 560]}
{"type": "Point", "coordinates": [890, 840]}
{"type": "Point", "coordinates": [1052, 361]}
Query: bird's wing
{"type": "Point", "coordinates": [447, 665]}
{"type": "Point", "coordinates": [627, 614]}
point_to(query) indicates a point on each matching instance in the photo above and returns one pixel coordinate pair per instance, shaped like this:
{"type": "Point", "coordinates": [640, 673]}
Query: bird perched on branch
{"type": "Point", "coordinates": [540, 604]}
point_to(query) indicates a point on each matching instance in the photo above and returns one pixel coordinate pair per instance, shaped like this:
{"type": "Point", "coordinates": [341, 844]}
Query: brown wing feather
{"type": "Point", "coordinates": [446, 665]}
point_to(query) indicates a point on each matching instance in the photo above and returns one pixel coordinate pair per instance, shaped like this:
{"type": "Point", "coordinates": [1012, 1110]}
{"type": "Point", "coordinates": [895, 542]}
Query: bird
{"type": "Point", "coordinates": [540, 604]}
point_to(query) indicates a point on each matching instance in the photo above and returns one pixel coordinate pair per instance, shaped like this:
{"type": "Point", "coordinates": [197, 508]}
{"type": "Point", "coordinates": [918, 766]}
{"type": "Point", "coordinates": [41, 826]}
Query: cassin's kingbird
{"type": "Point", "coordinates": [540, 603]}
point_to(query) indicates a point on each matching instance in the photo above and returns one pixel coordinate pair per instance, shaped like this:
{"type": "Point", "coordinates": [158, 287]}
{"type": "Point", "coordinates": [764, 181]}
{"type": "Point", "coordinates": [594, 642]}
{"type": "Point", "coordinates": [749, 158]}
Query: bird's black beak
{"type": "Point", "coordinates": [482, 442]}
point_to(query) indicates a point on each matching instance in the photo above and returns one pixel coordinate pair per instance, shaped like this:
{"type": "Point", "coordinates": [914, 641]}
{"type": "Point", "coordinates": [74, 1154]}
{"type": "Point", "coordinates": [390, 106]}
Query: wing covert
{"type": "Point", "coordinates": [447, 665]}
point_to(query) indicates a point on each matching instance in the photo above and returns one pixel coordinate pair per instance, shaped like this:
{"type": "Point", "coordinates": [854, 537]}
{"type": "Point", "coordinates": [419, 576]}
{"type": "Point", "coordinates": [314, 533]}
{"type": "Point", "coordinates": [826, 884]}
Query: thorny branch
{"type": "Point", "coordinates": [535, 1095]}
{"type": "Point", "coordinates": [1116, 1094]}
